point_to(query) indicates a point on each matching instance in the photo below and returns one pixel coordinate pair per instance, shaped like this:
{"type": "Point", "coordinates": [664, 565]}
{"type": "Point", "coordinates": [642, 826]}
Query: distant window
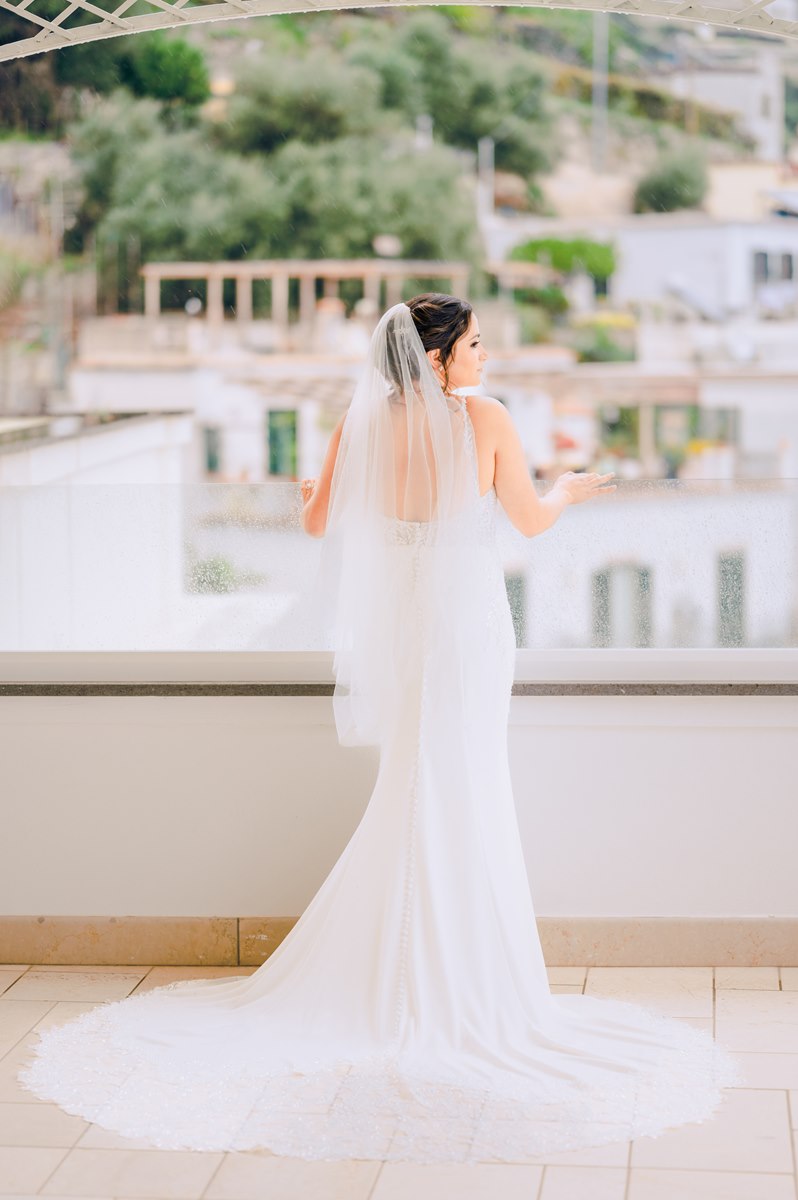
{"type": "Point", "coordinates": [787, 266]}
{"type": "Point", "coordinates": [760, 266]}
{"type": "Point", "coordinates": [622, 606]}
{"type": "Point", "coordinates": [765, 107]}
{"type": "Point", "coordinates": [718, 424]}
{"type": "Point", "coordinates": [282, 438]}
{"type": "Point", "coordinates": [6, 196]}
{"type": "Point", "coordinates": [212, 438]}
{"type": "Point", "coordinates": [731, 599]}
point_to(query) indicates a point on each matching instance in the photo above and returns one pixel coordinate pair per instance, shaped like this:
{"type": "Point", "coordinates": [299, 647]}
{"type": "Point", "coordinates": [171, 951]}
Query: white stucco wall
{"type": "Point", "coordinates": [239, 806]}
{"type": "Point", "coordinates": [154, 449]}
{"type": "Point", "coordinates": [90, 534]}
{"type": "Point", "coordinates": [711, 260]}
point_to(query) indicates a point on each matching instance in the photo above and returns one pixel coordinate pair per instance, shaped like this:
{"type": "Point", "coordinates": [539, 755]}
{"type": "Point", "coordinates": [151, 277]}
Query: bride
{"type": "Point", "coordinates": [407, 1015]}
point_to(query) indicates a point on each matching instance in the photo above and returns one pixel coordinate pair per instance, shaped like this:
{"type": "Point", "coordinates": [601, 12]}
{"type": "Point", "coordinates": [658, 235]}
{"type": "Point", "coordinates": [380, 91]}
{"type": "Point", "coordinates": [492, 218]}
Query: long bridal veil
{"type": "Point", "coordinates": [404, 462]}
{"type": "Point", "coordinates": [407, 1015]}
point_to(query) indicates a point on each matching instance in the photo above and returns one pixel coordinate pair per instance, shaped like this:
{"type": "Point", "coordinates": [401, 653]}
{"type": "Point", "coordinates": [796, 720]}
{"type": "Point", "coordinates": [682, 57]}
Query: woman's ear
{"type": "Point", "coordinates": [434, 357]}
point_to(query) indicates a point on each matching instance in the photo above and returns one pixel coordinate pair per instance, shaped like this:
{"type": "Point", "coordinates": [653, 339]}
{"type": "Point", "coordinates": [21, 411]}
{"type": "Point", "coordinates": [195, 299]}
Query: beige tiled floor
{"type": "Point", "coordinates": [747, 1151]}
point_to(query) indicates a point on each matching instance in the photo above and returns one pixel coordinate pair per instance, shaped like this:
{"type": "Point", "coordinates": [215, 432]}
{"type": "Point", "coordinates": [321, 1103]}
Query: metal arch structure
{"type": "Point", "coordinates": [81, 21]}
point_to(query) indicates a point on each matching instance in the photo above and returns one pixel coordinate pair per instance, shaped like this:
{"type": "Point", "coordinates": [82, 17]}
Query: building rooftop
{"type": "Point", "coordinates": [20, 433]}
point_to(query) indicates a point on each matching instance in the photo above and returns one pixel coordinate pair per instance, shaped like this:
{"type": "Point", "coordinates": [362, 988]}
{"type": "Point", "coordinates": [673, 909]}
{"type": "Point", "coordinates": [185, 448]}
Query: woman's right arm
{"type": "Point", "coordinates": [528, 512]}
{"type": "Point", "coordinates": [316, 492]}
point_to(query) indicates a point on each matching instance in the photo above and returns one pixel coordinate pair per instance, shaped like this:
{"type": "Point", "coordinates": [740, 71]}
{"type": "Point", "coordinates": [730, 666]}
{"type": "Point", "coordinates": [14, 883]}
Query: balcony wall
{"type": "Point", "coordinates": [171, 752]}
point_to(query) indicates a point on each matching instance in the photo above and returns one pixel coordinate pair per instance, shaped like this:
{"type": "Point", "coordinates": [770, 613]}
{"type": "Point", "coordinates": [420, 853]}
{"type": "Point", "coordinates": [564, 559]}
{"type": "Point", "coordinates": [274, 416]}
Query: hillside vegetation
{"type": "Point", "coordinates": [312, 134]}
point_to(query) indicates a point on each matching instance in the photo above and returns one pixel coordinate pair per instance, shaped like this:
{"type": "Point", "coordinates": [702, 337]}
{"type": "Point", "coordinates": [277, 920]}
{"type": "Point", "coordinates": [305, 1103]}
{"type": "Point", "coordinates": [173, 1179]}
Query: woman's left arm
{"type": "Point", "coordinates": [316, 492]}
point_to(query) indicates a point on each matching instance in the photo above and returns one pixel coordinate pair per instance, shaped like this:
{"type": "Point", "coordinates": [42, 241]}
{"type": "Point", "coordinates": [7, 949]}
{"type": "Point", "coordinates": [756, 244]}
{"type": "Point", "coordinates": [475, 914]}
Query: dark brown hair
{"type": "Point", "coordinates": [441, 321]}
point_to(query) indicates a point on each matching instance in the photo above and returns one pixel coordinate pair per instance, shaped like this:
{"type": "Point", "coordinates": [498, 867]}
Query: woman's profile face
{"type": "Point", "coordinates": [465, 365]}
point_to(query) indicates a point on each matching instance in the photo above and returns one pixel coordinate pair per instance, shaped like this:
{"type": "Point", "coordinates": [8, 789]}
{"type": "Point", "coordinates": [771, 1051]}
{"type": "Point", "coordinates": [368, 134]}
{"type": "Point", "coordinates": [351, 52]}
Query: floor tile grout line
{"type": "Point", "coordinates": [701, 1170]}
{"type": "Point", "coordinates": [14, 981]}
{"type": "Point", "coordinates": [57, 1167]}
{"type": "Point", "coordinates": [714, 1003]}
{"type": "Point", "coordinates": [135, 988]}
{"type": "Point", "coordinates": [214, 1173]}
{"type": "Point", "coordinates": [792, 1142]}
{"type": "Point", "coordinates": [628, 1172]}
{"type": "Point", "coordinates": [376, 1181]}
{"type": "Point", "coordinates": [28, 1032]}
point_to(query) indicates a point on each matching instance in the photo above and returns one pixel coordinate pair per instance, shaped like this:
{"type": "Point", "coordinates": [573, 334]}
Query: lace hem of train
{"type": "Point", "coordinates": [373, 1109]}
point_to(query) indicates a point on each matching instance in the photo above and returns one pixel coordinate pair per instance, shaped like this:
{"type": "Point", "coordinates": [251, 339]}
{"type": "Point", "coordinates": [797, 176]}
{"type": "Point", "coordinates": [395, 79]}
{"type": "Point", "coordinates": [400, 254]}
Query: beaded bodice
{"type": "Point", "coordinates": [416, 532]}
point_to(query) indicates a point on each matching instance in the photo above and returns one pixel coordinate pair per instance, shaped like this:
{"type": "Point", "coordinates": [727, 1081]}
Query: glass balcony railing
{"type": "Point", "coordinates": [224, 567]}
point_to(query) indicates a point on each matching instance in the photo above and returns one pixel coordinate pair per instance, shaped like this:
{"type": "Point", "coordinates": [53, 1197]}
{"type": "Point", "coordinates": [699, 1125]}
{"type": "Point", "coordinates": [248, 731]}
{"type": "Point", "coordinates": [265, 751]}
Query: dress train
{"type": "Point", "coordinates": [407, 1015]}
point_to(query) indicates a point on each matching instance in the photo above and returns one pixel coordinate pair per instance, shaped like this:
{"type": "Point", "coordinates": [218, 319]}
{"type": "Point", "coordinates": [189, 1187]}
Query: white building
{"type": "Point", "coordinates": [743, 77]}
{"type": "Point", "coordinates": [258, 415]}
{"type": "Point", "coordinates": [718, 268]}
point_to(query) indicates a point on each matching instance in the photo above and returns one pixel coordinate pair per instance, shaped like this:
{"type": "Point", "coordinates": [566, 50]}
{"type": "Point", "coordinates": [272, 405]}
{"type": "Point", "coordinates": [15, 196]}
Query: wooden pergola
{"type": "Point", "coordinates": [518, 274]}
{"type": "Point", "coordinates": [372, 272]}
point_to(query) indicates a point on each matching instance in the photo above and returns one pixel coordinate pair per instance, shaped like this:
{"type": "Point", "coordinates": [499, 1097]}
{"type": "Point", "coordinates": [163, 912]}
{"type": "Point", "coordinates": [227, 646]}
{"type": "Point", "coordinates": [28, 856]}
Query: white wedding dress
{"type": "Point", "coordinates": [407, 1015]}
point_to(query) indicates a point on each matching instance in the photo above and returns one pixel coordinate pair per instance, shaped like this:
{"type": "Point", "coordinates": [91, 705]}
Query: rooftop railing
{"type": "Point", "coordinates": [660, 581]}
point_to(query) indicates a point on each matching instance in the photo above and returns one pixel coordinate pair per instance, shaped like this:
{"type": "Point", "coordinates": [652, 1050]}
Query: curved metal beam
{"type": "Point", "coordinates": [55, 33]}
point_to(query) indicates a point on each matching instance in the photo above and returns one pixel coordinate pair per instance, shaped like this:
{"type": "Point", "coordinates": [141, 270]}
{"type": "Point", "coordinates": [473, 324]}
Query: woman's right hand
{"type": "Point", "coordinates": [308, 487]}
{"type": "Point", "coordinates": [583, 485]}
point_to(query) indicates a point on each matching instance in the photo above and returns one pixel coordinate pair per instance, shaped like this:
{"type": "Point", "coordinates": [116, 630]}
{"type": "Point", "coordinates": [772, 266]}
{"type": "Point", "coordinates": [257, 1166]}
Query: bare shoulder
{"type": "Point", "coordinates": [485, 408]}
{"type": "Point", "coordinates": [478, 403]}
{"type": "Point", "coordinates": [488, 413]}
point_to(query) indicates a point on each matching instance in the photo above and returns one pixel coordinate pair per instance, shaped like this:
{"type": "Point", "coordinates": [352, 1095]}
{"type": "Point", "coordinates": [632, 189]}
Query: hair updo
{"type": "Point", "coordinates": [440, 321]}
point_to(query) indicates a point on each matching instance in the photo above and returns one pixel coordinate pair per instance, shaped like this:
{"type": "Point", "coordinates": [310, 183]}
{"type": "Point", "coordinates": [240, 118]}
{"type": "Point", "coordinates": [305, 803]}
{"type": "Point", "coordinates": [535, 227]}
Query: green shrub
{"type": "Point", "coordinates": [679, 180]}
{"type": "Point", "coordinates": [791, 106]}
{"type": "Point", "coordinates": [425, 67]}
{"type": "Point", "coordinates": [166, 68]}
{"type": "Point", "coordinates": [597, 258]}
{"type": "Point", "coordinates": [534, 323]}
{"type": "Point", "coordinates": [14, 270]}
{"type": "Point", "coordinates": [550, 298]}
{"type": "Point", "coordinates": [214, 574]}
{"type": "Point", "coordinates": [307, 98]}
{"type": "Point", "coordinates": [596, 345]}
{"type": "Point", "coordinates": [640, 99]}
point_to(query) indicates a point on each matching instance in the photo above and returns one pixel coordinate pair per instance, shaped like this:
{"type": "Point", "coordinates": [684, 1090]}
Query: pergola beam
{"type": "Point", "coordinates": [736, 14]}
{"type": "Point", "coordinates": [315, 268]}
